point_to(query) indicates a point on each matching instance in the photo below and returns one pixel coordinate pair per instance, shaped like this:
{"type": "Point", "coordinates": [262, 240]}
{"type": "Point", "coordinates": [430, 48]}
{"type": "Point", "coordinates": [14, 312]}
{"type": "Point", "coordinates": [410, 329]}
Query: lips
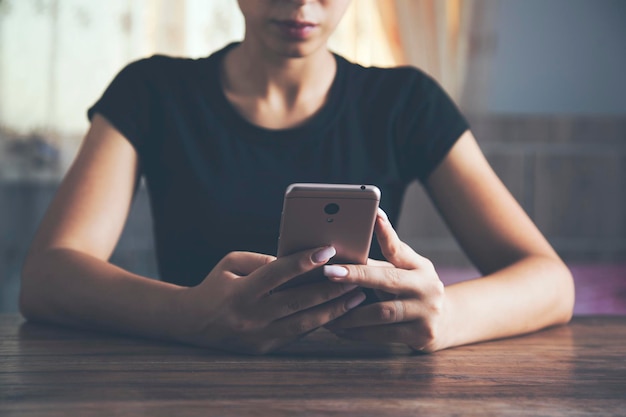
{"type": "Point", "coordinates": [295, 29]}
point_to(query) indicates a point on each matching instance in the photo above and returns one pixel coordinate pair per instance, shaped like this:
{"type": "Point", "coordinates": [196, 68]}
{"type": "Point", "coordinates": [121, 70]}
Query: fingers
{"type": "Point", "coordinates": [381, 313]}
{"type": "Point", "coordinates": [376, 262]}
{"type": "Point", "coordinates": [281, 270]}
{"type": "Point", "coordinates": [244, 263]}
{"type": "Point", "coordinates": [394, 250]}
{"type": "Point", "coordinates": [403, 321]}
{"type": "Point", "coordinates": [305, 321]}
{"type": "Point", "coordinates": [290, 301]}
{"type": "Point", "coordinates": [392, 280]}
{"type": "Point", "coordinates": [415, 334]}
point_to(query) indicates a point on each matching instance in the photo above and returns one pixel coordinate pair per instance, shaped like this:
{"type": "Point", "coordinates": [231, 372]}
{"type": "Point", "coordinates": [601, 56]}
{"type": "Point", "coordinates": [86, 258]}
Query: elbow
{"type": "Point", "coordinates": [25, 301]}
{"type": "Point", "coordinates": [564, 294]}
{"type": "Point", "coordinates": [25, 305]}
{"type": "Point", "coordinates": [29, 302]}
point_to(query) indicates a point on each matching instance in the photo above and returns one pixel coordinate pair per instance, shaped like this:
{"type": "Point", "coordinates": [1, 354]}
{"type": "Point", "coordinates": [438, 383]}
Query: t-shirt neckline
{"type": "Point", "coordinates": [321, 119]}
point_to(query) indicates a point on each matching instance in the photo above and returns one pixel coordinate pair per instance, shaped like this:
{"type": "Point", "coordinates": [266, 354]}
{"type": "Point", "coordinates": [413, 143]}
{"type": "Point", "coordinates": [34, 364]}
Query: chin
{"type": "Point", "coordinates": [298, 50]}
{"type": "Point", "coordinates": [293, 54]}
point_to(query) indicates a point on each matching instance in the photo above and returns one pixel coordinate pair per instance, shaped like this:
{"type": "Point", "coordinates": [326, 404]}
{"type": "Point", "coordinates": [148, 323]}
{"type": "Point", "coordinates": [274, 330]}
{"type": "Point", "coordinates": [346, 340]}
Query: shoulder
{"type": "Point", "coordinates": [401, 76]}
{"type": "Point", "coordinates": [399, 84]}
{"type": "Point", "coordinates": [161, 66]}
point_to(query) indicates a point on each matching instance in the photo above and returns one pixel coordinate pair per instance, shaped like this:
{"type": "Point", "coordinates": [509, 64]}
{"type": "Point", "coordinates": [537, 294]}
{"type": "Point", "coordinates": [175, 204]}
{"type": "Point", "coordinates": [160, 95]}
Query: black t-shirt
{"type": "Point", "coordinates": [216, 181]}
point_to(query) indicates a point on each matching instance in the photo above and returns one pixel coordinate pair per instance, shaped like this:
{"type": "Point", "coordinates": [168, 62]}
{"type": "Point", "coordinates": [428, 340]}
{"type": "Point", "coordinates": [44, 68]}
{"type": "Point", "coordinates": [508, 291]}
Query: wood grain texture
{"type": "Point", "coordinates": [574, 370]}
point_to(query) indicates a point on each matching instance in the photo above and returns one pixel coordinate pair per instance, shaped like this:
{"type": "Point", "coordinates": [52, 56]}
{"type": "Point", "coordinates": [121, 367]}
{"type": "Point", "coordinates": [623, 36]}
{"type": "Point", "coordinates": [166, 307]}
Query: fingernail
{"type": "Point", "coordinates": [335, 271]}
{"type": "Point", "coordinates": [382, 214]}
{"type": "Point", "coordinates": [355, 300]}
{"type": "Point", "coordinates": [323, 254]}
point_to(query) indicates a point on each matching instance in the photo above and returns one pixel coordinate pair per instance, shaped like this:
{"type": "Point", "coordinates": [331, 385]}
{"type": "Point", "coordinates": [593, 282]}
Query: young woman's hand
{"type": "Point", "coordinates": [412, 296]}
{"type": "Point", "coordinates": [236, 308]}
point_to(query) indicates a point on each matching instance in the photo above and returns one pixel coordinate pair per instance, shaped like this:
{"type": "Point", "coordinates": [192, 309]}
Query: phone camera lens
{"type": "Point", "coordinates": [331, 208]}
{"type": "Point", "coordinates": [362, 187]}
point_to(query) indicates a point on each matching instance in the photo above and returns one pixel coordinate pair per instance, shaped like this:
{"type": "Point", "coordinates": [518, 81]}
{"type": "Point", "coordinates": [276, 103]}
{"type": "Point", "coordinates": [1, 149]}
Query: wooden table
{"type": "Point", "coordinates": [579, 369]}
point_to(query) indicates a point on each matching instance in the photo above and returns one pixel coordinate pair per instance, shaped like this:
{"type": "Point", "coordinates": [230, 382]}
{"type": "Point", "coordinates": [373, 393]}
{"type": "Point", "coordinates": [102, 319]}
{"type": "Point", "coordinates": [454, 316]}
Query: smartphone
{"type": "Point", "coordinates": [315, 215]}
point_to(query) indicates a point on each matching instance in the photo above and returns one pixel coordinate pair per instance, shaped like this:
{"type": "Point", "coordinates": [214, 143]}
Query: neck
{"type": "Point", "coordinates": [249, 70]}
{"type": "Point", "coordinates": [275, 91]}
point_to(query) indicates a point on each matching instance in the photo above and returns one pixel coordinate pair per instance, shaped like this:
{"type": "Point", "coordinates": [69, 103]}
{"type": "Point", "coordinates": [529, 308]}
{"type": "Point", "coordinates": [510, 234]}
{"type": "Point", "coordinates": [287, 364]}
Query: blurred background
{"type": "Point", "coordinates": [541, 82]}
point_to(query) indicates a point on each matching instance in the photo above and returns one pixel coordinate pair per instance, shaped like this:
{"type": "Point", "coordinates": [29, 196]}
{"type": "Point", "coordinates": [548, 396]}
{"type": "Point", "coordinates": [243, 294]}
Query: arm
{"type": "Point", "coordinates": [525, 285]}
{"type": "Point", "coordinates": [68, 280]}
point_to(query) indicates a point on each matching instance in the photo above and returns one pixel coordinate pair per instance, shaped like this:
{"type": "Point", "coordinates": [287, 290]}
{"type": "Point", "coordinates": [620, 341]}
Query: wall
{"type": "Point", "coordinates": [559, 56]}
{"type": "Point", "coordinates": [569, 174]}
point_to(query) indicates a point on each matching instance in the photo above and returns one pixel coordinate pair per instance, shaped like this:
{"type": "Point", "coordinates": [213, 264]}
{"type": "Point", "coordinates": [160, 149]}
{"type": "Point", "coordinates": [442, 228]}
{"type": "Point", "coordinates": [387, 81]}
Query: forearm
{"type": "Point", "coordinates": [531, 294]}
{"type": "Point", "coordinates": [68, 287]}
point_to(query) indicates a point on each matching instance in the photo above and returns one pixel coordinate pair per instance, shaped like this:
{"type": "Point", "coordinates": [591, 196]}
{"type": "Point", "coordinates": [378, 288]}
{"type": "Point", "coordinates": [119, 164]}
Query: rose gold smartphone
{"type": "Point", "coordinates": [341, 215]}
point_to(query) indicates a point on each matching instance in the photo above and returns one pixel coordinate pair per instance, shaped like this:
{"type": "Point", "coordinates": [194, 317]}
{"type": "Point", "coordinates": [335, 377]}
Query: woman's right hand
{"type": "Point", "coordinates": [235, 308]}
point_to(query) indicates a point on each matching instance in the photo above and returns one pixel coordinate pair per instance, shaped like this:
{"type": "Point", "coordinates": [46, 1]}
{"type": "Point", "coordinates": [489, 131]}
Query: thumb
{"type": "Point", "coordinates": [245, 263]}
{"type": "Point", "coordinates": [394, 250]}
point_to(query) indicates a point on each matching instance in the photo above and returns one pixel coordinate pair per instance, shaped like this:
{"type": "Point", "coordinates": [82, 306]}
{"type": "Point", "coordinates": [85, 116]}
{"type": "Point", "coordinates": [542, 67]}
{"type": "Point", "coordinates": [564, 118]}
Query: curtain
{"type": "Point", "coordinates": [432, 35]}
{"type": "Point", "coordinates": [58, 56]}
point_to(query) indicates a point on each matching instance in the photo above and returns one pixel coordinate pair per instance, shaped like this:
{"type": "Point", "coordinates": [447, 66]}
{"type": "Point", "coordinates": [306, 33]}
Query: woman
{"type": "Point", "coordinates": [218, 139]}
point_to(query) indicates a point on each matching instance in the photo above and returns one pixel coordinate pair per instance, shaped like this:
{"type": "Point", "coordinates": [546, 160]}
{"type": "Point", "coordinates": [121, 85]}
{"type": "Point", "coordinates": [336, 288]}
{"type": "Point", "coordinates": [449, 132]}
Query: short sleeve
{"type": "Point", "coordinates": [431, 124]}
{"type": "Point", "coordinates": [126, 103]}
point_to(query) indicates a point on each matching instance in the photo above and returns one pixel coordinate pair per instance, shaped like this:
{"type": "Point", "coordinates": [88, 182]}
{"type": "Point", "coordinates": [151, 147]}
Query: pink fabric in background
{"type": "Point", "coordinates": [600, 289]}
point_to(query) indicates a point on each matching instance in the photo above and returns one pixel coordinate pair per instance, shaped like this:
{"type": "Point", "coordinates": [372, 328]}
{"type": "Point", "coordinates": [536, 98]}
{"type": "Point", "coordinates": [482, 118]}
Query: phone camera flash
{"type": "Point", "coordinates": [329, 220]}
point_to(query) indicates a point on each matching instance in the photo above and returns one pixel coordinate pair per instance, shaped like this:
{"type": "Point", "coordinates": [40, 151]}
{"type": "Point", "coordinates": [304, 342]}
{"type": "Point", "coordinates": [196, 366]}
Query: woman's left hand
{"type": "Point", "coordinates": [413, 297]}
